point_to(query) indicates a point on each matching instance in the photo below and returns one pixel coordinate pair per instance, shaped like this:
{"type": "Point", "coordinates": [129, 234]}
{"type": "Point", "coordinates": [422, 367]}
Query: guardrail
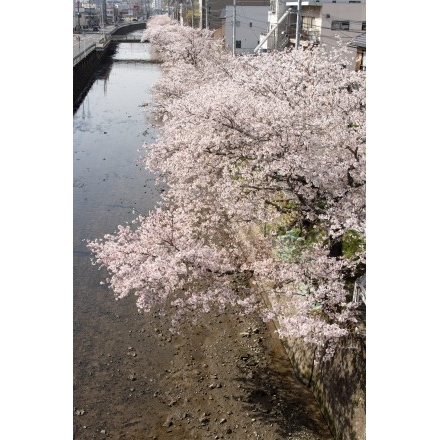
{"type": "Point", "coordinates": [99, 45]}
{"type": "Point", "coordinates": [102, 43]}
{"type": "Point", "coordinates": [84, 54]}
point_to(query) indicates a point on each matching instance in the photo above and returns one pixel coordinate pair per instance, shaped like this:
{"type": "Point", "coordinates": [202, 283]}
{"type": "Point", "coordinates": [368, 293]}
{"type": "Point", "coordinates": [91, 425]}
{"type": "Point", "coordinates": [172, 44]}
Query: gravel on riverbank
{"type": "Point", "coordinates": [228, 377]}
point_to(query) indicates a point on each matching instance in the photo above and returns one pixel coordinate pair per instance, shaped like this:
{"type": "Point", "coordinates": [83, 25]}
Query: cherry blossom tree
{"type": "Point", "coordinates": [264, 159]}
{"type": "Point", "coordinates": [188, 56]}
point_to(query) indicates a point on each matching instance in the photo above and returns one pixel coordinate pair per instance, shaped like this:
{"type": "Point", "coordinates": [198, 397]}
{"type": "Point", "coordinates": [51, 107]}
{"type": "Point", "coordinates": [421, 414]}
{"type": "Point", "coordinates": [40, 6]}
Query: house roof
{"type": "Point", "coordinates": [359, 41]}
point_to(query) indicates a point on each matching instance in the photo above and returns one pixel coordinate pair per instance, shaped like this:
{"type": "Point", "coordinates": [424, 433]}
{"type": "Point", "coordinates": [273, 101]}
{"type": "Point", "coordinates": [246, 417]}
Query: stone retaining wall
{"type": "Point", "coordinates": [339, 385]}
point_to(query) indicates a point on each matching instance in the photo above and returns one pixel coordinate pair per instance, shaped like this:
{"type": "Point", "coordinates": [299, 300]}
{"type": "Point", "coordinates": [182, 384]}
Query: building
{"type": "Point", "coordinates": [360, 44]}
{"type": "Point", "coordinates": [280, 19]}
{"type": "Point", "coordinates": [86, 15]}
{"type": "Point", "coordinates": [156, 6]}
{"type": "Point", "coordinates": [211, 11]}
{"type": "Point", "coordinates": [324, 21]}
{"type": "Point", "coordinates": [250, 21]}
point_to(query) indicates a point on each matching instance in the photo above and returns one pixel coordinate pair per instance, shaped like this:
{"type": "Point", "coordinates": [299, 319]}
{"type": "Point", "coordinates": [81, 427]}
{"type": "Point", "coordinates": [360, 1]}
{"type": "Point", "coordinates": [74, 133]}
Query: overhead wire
{"type": "Point", "coordinates": [337, 33]}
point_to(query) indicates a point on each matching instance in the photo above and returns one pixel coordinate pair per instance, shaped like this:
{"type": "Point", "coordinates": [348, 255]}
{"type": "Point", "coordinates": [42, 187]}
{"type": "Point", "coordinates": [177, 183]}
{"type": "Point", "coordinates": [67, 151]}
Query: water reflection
{"type": "Point", "coordinates": [109, 180]}
{"type": "Point", "coordinates": [109, 129]}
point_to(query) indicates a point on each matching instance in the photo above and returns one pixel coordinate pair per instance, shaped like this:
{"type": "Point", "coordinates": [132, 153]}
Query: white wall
{"type": "Point", "coordinates": [248, 34]}
{"type": "Point", "coordinates": [354, 13]}
{"type": "Point", "coordinates": [325, 11]}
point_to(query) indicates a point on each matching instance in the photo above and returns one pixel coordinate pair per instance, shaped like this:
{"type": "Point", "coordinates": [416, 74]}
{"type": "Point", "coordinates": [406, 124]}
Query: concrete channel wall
{"type": "Point", "coordinates": [339, 385]}
{"type": "Point", "coordinates": [83, 73]}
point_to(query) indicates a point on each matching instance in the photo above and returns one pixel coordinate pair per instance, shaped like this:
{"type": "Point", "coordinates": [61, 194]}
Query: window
{"type": "Point", "coordinates": [343, 25]}
{"type": "Point", "coordinates": [250, 24]}
{"type": "Point", "coordinates": [272, 6]}
{"type": "Point", "coordinates": [238, 44]}
{"type": "Point", "coordinates": [237, 23]}
{"type": "Point", "coordinates": [364, 25]}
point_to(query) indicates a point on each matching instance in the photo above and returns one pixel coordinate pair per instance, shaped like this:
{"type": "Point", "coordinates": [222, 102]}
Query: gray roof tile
{"type": "Point", "coordinates": [359, 41]}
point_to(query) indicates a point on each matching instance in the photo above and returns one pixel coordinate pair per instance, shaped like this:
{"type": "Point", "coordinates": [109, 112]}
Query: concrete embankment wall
{"type": "Point", "coordinates": [339, 385]}
{"type": "Point", "coordinates": [84, 71]}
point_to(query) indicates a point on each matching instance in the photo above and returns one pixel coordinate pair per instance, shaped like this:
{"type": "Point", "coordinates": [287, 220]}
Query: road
{"type": "Point", "coordinates": [81, 42]}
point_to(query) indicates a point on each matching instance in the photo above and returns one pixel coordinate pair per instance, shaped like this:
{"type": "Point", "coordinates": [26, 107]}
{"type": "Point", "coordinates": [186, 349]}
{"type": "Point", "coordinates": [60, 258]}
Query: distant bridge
{"type": "Point", "coordinates": [126, 38]}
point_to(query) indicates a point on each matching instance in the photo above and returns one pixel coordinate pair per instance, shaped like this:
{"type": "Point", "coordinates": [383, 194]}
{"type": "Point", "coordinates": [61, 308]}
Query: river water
{"type": "Point", "coordinates": [132, 379]}
{"type": "Point", "coordinates": [109, 128]}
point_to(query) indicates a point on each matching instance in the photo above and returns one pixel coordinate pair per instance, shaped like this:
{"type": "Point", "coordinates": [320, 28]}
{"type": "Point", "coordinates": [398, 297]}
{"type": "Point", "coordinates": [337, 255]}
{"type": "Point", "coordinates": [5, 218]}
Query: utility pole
{"type": "Point", "coordinates": [298, 24]}
{"type": "Point", "coordinates": [181, 14]}
{"type": "Point", "coordinates": [234, 19]}
{"type": "Point", "coordinates": [206, 15]}
{"type": "Point", "coordinates": [103, 12]}
{"type": "Point", "coordinates": [77, 13]}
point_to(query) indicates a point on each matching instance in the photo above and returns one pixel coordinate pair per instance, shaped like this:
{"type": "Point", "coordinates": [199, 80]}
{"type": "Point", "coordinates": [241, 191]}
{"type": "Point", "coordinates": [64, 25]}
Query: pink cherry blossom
{"type": "Point", "coordinates": [264, 158]}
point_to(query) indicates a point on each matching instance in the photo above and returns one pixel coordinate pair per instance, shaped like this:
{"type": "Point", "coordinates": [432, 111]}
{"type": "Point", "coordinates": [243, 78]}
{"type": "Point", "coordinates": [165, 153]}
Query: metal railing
{"type": "Point", "coordinates": [102, 43]}
{"type": "Point", "coordinates": [84, 54]}
{"type": "Point", "coordinates": [360, 290]}
{"type": "Point", "coordinates": [99, 45]}
{"type": "Point", "coordinates": [277, 25]}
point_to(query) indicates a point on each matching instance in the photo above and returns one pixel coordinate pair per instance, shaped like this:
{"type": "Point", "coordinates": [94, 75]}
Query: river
{"type": "Point", "coordinates": [131, 378]}
{"type": "Point", "coordinates": [109, 128]}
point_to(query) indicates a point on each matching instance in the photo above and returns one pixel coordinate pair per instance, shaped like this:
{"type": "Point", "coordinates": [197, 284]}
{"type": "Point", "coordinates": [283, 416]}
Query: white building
{"type": "Point", "coordinates": [322, 21]}
{"type": "Point", "coordinates": [250, 22]}
{"type": "Point", "coordinates": [156, 5]}
{"type": "Point", "coordinates": [279, 20]}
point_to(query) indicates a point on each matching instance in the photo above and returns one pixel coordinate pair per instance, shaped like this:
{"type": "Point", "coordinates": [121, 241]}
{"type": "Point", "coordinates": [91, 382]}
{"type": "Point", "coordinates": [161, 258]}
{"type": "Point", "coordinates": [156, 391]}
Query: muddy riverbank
{"type": "Point", "coordinates": [227, 377]}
